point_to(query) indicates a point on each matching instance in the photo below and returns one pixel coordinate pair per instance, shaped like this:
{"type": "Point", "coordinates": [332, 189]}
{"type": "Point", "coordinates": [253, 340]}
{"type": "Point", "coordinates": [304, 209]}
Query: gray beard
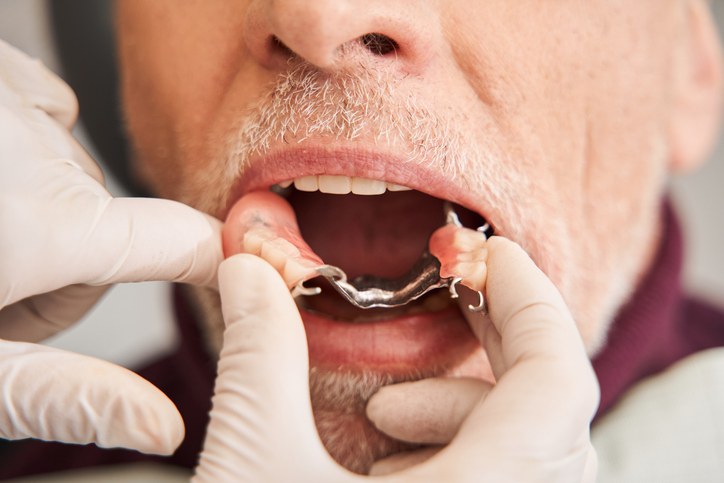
{"type": "Point", "coordinates": [338, 398]}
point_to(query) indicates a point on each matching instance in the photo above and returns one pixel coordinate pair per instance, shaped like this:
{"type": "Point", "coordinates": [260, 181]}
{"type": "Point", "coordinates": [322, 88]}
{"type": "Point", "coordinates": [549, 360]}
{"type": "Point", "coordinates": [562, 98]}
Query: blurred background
{"type": "Point", "coordinates": [133, 324]}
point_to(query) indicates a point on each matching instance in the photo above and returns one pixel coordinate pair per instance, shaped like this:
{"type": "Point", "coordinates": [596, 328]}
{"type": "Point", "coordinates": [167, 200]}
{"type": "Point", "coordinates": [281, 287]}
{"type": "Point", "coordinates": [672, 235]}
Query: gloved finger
{"type": "Point", "coordinates": [400, 461]}
{"type": "Point", "coordinates": [34, 137]}
{"type": "Point", "coordinates": [546, 368]}
{"type": "Point", "coordinates": [261, 405]}
{"type": "Point", "coordinates": [139, 239]}
{"type": "Point", "coordinates": [483, 328]}
{"type": "Point", "coordinates": [60, 144]}
{"type": "Point", "coordinates": [36, 318]}
{"type": "Point", "coordinates": [428, 411]}
{"type": "Point", "coordinates": [28, 83]}
{"type": "Point", "coordinates": [55, 395]}
{"type": "Point", "coordinates": [111, 240]}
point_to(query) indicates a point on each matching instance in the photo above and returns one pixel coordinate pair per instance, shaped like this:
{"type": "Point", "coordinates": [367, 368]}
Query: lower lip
{"type": "Point", "coordinates": [397, 347]}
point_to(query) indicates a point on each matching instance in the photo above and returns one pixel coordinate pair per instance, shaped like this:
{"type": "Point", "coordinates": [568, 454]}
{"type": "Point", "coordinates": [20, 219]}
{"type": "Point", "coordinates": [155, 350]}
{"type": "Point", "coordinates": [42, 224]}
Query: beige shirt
{"type": "Point", "coordinates": [667, 428]}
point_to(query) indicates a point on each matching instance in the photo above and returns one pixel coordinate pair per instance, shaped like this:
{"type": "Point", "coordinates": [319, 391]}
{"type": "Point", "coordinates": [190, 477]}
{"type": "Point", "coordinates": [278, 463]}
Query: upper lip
{"type": "Point", "coordinates": [287, 163]}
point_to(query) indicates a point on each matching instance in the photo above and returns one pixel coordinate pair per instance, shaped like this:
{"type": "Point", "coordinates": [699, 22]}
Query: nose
{"type": "Point", "coordinates": [317, 31]}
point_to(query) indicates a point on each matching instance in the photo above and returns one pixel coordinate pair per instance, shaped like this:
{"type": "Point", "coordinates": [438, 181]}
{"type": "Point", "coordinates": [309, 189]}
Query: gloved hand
{"type": "Point", "coordinates": [63, 240]}
{"type": "Point", "coordinates": [59, 225]}
{"type": "Point", "coordinates": [532, 426]}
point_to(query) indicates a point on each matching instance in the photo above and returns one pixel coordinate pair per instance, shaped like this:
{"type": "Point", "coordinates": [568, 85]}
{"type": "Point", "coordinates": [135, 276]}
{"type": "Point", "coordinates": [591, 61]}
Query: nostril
{"type": "Point", "coordinates": [379, 44]}
{"type": "Point", "coordinates": [281, 48]}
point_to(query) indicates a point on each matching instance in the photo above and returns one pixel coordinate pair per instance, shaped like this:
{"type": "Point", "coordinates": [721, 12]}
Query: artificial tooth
{"type": "Point", "coordinates": [254, 239]}
{"type": "Point", "coordinates": [286, 247]}
{"type": "Point", "coordinates": [306, 183]}
{"type": "Point", "coordinates": [295, 271]}
{"type": "Point", "coordinates": [337, 185]}
{"type": "Point", "coordinates": [276, 257]}
{"type": "Point", "coordinates": [397, 187]}
{"type": "Point", "coordinates": [364, 186]}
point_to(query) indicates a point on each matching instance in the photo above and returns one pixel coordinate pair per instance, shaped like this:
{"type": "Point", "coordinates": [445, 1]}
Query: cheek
{"type": "Point", "coordinates": [579, 93]}
{"type": "Point", "coordinates": [626, 155]}
{"type": "Point", "coordinates": [178, 61]}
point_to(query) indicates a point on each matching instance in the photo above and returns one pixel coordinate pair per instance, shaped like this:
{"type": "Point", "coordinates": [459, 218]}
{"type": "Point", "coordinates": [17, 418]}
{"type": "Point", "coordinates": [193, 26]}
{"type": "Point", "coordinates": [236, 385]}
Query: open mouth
{"type": "Point", "coordinates": [363, 226]}
{"type": "Point", "coordinates": [382, 236]}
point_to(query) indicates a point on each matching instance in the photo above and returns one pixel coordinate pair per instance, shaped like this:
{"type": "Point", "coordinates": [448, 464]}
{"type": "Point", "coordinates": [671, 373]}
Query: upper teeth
{"type": "Point", "coordinates": [342, 185]}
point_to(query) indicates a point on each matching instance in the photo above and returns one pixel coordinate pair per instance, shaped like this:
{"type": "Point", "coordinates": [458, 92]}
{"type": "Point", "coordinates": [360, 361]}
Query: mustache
{"type": "Point", "coordinates": [361, 102]}
{"type": "Point", "coordinates": [358, 102]}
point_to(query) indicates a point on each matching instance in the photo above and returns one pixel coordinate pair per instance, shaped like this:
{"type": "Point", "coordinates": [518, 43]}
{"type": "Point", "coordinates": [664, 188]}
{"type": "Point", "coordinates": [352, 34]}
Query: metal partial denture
{"type": "Point", "coordinates": [370, 291]}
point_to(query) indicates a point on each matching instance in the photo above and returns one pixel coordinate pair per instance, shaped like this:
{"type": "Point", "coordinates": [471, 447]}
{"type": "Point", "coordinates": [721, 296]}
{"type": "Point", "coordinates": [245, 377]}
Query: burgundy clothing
{"type": "Point", "coordinates": [655, 329]}
{"type": "Point", "coordinates": [660, 324]}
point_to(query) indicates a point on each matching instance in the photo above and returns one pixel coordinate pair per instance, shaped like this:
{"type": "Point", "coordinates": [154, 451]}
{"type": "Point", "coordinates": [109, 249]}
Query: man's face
{"type": "Point", "coordinates": [549, 119]}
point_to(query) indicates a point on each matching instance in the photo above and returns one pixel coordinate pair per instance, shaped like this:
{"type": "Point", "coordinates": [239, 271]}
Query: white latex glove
{"type": "Point", "coordinates": [63, 239]}
{"type": "Point", "coordinates": [60, 228]}
{"type": "Point", "coordinates": [532, 426]}
{"type": "Point", "coordinates": [56, 395]}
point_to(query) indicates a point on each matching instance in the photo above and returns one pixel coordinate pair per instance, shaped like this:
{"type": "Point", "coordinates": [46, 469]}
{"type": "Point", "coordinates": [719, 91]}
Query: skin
{"type": "Point", "coordinates": [569, 114]}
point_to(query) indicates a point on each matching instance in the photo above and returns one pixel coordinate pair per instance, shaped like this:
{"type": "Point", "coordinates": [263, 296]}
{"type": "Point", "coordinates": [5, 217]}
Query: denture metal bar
{"type": "Point", "coordinates": [370, 291]}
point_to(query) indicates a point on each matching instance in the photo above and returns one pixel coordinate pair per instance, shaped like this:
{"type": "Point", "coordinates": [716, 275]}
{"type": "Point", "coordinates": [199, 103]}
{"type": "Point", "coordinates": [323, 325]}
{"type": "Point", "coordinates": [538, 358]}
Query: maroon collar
{"type": "Point", "coordinates": [658, 326]}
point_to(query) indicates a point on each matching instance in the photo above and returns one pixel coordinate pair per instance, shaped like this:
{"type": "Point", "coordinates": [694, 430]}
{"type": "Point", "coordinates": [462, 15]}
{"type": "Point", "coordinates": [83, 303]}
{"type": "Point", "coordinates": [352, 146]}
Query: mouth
{"type": "Point", "coordinates": [366, 218]}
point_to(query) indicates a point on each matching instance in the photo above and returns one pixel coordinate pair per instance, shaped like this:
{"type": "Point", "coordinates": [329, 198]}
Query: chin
{"type": "Point", "coordinates": [344, 374]}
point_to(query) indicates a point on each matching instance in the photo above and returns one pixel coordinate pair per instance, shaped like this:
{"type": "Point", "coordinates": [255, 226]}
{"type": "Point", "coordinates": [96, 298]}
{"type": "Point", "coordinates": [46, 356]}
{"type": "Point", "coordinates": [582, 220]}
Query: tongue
{"type": "Point", "coordinates": [381, 235]}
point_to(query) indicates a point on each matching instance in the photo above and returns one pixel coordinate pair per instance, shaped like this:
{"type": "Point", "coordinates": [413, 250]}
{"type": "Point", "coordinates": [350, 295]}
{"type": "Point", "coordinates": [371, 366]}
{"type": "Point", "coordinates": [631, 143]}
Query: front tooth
{"type": "Point", "coordinates": [341, 185]}
{"type": "Point", "coordinates": [397, 187]}
{"type": "Point", "coordinates": [306, 183]}
{"type": "Point", "coordinates": [364, 186]}
{"type": "Point", "coordinates": [337, 185]}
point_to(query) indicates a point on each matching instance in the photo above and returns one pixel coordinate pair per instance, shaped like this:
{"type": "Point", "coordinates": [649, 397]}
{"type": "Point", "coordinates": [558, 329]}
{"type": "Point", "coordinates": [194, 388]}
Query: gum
{"type": "Point", "coordinates": [264, 224]}
{"type": "Point", "coordinates": [462, 253]}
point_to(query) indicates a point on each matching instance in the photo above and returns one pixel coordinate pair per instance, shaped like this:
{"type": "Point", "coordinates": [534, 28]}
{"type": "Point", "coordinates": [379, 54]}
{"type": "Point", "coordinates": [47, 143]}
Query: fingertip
{"type": "Point", "coordinates": [240, 263]}
{"type": "Point", "coordinates": [143, 418]}
{"type": "Point", "coordinates": [169, 430]}
{"type": "Point", "coordinates": [38, 86]}
{"type": "Point", "coordinates": [238, 272]}
{"type": "Point", "coordinates": [376, 405]}
{"type": "Point", "coordinates": [514, 282]}
{"type": "Point", "coordinates": [501, 246]}
{"type": "Point", "coordinates": [142, 239]}
{"type": "Point", "coordinates": [254, 294]}
{"type": "Point", "coordinates": [428, 411]}
{"type": "Point", "coordinates": [167, 436]}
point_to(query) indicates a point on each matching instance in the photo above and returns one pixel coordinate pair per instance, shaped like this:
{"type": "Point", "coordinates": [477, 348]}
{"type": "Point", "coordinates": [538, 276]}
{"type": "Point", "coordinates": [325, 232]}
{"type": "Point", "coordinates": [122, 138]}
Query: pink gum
{"type": "Point", "coordinates": [264, 224]}
{"type": "Point", "coordinates": [462, 253]}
